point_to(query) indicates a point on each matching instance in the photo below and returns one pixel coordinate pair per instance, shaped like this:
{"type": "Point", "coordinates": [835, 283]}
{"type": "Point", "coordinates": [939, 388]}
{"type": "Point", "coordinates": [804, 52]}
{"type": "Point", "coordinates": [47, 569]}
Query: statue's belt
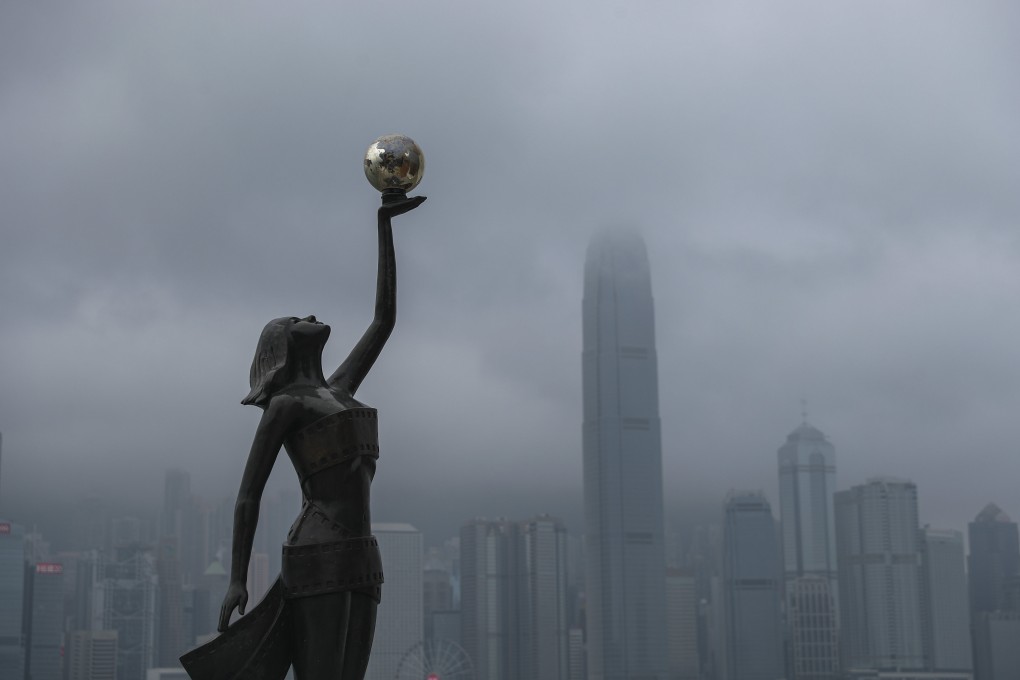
{"type": "Point", "coordinates": [347, 564]}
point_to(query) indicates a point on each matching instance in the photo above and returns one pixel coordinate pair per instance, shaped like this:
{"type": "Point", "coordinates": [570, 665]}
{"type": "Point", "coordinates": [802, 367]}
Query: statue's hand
{"type": "Point", "coordinates": [400, 207]}
{"type": "Point", "coordinates": [237, 597]}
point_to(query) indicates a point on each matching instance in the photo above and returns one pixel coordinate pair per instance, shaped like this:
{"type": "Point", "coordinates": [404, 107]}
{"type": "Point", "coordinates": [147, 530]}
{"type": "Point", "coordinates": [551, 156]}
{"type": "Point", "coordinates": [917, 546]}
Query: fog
{"type": "Point", "coordinates": [828, 194]}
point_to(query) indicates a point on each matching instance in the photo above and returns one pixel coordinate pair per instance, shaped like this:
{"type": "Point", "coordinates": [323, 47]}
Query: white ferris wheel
{"type": "Point", "coordinates": [435, 660]}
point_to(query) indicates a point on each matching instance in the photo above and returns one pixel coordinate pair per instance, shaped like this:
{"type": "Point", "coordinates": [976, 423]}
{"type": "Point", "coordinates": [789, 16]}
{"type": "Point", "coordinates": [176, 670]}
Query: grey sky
{"type": "Point", "coordinates": [828, 192]}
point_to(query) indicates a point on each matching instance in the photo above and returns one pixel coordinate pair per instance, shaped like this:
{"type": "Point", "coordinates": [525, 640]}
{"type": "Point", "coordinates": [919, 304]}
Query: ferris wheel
{"type": "Point", "coordinates": [435, 660]}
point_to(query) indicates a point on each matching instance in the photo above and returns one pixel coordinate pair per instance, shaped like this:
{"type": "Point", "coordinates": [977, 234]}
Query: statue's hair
{"type": "Point", "coordinates": [270, 360]}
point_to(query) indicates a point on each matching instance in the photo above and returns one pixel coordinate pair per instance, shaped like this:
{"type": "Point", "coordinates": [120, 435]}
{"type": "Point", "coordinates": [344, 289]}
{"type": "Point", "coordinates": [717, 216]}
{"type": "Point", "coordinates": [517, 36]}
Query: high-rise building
{"type": "Point", "coordinates": [996, 652]}
{"type": "Point", "coordinates": [682, 625]}
{"type": "Point", "coordinates": [994, 561]}
{"type": "Point", "coordinates": [807, 482]}
{"type": "Point", "coordinates": [879, 557]}
{"type": "Point", "coordinates": [625, 560]}
{"type": "Point", "coordinates": [128, 590]}
{"type": "Point", "coordinates": [44, 625]}
{"type": "Point", "coordinates": [545, 645]}
{"type": "Point", "coordinates": [944, 601]}
{"type": "Point", "coordinates": [812, 622]}
{"type": "Point", "coordinates": [400, 619]}
{"type": "Point", "coordinates": [489, 597]}
{"type": "Point", "coordinates": [437, 595]}
{"type": "Point", "coordinates": [12, 598]}
{"type": "Point", "coordinates": [514, 606]}
{"type": "Point", "coordinates": [171, 641]}
{"type": "Point", "coordinates": [91, 655]}
{"type": "Point", "coordinates": [993, 572]}
{"type": "Point", "coordinates": [751, 590]}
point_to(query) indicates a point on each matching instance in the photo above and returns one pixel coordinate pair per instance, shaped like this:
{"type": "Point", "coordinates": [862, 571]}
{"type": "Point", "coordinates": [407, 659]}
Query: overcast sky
{"type": "Point", "coordinates": [828, 191]}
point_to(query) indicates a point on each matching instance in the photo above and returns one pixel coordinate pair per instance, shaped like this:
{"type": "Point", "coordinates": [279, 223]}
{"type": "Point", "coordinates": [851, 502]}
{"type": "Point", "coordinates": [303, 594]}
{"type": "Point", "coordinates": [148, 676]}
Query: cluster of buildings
{"type": "Point", "coordinates": [840, 585]}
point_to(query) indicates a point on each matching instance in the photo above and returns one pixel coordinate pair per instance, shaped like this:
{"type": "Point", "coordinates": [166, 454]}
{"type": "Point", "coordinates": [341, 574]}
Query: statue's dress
{"type": "Point", "coordinates": [320, 556]}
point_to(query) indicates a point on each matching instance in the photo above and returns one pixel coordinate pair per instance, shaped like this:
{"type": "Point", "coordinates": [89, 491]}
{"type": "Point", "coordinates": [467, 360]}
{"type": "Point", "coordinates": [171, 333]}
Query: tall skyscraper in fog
{"type": "Point", "coordinates": [625, 585]}
{"type": "Point", "coordinates": [879, 555]}
{"type": "Point", "coordinates": [807, 482]}
{"type": "Point", "coordinates": [751, 586]}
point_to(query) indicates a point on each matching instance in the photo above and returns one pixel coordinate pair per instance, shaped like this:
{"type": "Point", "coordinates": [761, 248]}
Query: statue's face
{"type": "Point", "coordinates": [307, 329]}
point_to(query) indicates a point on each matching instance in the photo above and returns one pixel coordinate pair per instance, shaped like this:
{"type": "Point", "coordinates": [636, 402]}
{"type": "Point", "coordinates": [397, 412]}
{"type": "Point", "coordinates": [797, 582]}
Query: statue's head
{"type": "Point", "coordinates": [284, 343]}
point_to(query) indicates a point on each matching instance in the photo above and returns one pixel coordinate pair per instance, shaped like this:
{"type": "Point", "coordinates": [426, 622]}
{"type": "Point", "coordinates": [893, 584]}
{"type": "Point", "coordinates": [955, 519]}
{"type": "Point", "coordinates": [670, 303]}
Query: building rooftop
{"type": "Point", "coordinates": [992, 513]}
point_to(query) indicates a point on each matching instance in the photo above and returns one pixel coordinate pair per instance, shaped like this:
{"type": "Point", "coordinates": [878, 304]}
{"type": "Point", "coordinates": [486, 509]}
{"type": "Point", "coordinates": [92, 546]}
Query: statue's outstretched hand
{"type": "Point", "coordinates": [400, 207]}
{"type": "Point", "coordinates": [237, 597]}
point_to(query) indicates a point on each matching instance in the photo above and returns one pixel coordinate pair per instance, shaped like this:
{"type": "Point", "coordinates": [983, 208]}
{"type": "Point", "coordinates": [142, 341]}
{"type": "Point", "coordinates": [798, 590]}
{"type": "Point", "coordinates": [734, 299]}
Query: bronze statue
{"type": "Point", "coordinates": [319, 616]}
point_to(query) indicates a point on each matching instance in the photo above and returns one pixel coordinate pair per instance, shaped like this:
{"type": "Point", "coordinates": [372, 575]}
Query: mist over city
{"type": "Point", "coordinates": [826, 195]}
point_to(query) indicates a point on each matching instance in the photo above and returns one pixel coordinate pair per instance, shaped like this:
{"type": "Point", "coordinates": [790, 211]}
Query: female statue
{"type": "Point", "coordinates": [319, 616]}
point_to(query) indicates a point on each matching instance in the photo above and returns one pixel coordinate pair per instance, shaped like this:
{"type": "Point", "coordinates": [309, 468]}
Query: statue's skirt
{"type": "Point", "coordinates": [317, 559]}
{"type": "Point", "coordinates": [255, 647]}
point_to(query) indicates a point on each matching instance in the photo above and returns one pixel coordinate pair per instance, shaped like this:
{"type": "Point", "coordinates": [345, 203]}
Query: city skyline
{"type": "Point", "coordinates": [818, 241]}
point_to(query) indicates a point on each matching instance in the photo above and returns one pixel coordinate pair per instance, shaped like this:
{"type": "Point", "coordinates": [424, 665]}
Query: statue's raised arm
{"type": "Point", "coordinates": [355, 367]}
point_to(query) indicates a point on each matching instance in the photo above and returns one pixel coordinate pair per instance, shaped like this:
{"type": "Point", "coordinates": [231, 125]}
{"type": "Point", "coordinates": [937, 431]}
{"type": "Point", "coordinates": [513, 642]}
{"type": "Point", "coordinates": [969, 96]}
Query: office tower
{"type": "Point", "coordinates": [994, 559]}
{"type": "Point", "coordinates": [996, 652]}
{"type": "Point", "coordinates": [514, 606]}
{"type": "Point", "coordinates": [944, 601]}
{"type": "Point", "coordinates": [44, 624]}
{"type": "Point", "coordinates": [400, 619]}
{"type": "Point", "coordinates": [807, 482]}
{"type": "Point", "coordinates": [812, 622]}
{"type": "Point", "coordinates": [545, 650]}
{"type": "Point", "coordinates": [171, 642]}
{"type": "Point", "coordinates": [128, 589]}
{"type": "Point", "coordinates": [490, 580]}
{"type": "Point", "coordinates": [879, 558]}
{"type": "Point", "coordinates": [751, 590]}
{"type": "Point", "coordinates": [182, 519]}
{"type": "Point", "coordinates": [682, 625]}
{"type": "Point", "coordinates": [625, 575]}
{"type": "Point", "coordinates": [437, 596]}
{"type": "Point", "coordinates": [91, 655]}
{"type": "Point", "coordinates": [993, 570]}
{"type": "Point", "coordinates": [12, 598]}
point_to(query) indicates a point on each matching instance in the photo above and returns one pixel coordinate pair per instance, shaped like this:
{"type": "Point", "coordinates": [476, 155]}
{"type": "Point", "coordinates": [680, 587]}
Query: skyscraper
{"type": "Point", "coordinates": [944, 601]}
{"type": "Point", "coordinates": [625, 562]}
{"type": "Point", "coordinates": [993, 563]}
{"type": "Point", "coordinates": [751, 590]}
{"type": "Point", "coordinates": [682, 625]}
{"type": "Point", "coordinates": [545, 617]}
{"type": "Point", "coordinates": [91, 655]}
{"type": "Point", "coordinates": [45, 622]}
{"type": "Point", "coordinates": [401, 616]}
{"type": "Point", "coordinates": [489, 597]}
{"type": "Point", "coordinates": [879, 557]}
{"type": "Point", "coordinates": [129, 601]}
{"type": "Point", "coordinates": [994, 559]}
{"type": "Point", "coordinates": [12, 597]}
{"type": "Point", "coordinates": [807, 481]}
{"type": "Point", "coordinates": [514, 598]}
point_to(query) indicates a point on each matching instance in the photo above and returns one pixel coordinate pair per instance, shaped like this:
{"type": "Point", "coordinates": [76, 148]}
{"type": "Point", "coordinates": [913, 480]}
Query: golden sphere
{"type": "Point", "coordinates": [394, 162]}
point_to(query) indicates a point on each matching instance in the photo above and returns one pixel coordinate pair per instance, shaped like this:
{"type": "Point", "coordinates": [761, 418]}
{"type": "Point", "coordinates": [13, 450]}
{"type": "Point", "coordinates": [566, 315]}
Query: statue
{"type": "Point", "coordinates": [319, 615]}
